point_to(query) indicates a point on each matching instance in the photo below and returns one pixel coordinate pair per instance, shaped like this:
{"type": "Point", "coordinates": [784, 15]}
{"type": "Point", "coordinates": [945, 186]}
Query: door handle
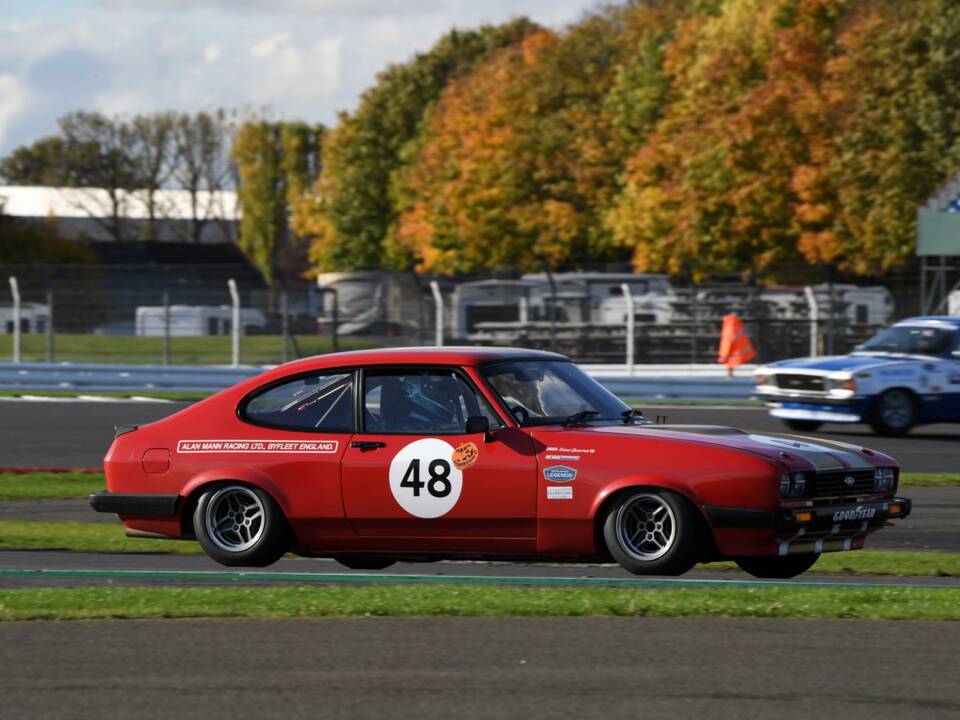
{"type": "Point", "coordinates": [367, 444]}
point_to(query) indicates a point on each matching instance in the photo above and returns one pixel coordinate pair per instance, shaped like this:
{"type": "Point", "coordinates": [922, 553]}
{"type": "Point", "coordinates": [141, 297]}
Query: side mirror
{"type": "Point", "coordinates": [478, 424]}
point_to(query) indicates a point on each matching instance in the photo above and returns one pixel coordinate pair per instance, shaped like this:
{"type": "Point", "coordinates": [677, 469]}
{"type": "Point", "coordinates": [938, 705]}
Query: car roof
{"type": "Point", "coordinates": [469, 356]}
{"type": "Point", "coordinates": [931, 320]}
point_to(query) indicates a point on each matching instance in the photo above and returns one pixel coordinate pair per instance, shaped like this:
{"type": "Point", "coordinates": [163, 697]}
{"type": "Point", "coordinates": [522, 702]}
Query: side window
{"type": "Point", "coordinates": [426, 402]}
{"type": "Point", "coordinates": [308, 403]}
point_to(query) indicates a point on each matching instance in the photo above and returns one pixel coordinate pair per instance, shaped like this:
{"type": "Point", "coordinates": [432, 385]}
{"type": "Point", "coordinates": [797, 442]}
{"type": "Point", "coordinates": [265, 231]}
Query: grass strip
{"type": "Point", "coordinates": [98, 537]}
{"type": "Point", "coordinates": [83, 537]}
{"type": "Point", "coordinates": [917, 479]}
{"type": "Point", "coordinates": [49, 485]}
{"type": "Point", "coordinates": [430, 601]}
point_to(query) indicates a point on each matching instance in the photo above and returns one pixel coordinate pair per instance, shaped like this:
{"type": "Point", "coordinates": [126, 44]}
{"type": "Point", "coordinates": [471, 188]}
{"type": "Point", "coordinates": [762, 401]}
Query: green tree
{"type": "Point", "coordinates": [275, 161]}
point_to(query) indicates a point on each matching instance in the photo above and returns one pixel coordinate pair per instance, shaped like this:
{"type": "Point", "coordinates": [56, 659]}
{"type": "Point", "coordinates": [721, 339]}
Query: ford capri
{"type": "Point", "coordinates": [377, 456]}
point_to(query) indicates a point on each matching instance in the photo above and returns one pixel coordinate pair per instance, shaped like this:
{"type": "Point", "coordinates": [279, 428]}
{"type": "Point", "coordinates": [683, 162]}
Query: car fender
{"type": "Point", "coordinates": [677, 485]}
{"type": "Point", "coordinates": [238, 473]}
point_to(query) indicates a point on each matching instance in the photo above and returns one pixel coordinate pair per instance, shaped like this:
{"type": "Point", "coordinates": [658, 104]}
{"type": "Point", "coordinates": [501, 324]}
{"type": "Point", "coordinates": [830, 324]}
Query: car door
{"type": "Point", "coordinates": [413, 473]}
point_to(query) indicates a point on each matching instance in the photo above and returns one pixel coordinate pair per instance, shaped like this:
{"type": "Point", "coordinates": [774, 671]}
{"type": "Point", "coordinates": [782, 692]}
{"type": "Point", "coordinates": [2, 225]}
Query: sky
{"type": "Point", "coordinates": [298, 59]}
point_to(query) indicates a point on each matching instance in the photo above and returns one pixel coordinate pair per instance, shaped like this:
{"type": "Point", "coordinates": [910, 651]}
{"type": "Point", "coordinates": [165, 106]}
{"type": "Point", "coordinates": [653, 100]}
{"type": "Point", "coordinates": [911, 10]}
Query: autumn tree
{"type": "Point", "coordinates": [353, 209]}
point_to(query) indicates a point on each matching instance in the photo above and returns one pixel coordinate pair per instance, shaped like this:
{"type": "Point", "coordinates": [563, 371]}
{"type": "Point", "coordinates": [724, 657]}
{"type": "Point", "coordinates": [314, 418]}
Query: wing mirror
{"type": "Point", "coordinates": [477, 424]}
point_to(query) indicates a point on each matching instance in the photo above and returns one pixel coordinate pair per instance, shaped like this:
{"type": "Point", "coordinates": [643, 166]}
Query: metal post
{"type": "Point", "coordinates": [553, 304]}
{"type": "Point", "coordinates": [814, 315]}
{"type": "Point", "coordinates": [335, 321]}
{"type": "Point", "coordinates": [631, 326]}
{"type": "Point", "coordinates": [235, 329]}
{"type": "Point", "coordinates": [166, 328]}
{"type": "Point", "coordinates": [695, 323]}
{"type": "Point", "coordinates": [438, 303]}
{"type": "Point", "coordinates": [49, 325]}
{"type": "Point", "coordinates": [15, 291]}
{"type": "Point", "coordinates": [285, 324]}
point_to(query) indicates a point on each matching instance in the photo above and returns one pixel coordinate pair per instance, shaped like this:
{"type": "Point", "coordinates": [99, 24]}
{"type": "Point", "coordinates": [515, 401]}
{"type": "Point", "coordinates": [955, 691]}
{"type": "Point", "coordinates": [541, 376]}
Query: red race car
{"type": "Point", "coordinates": [375, 456]}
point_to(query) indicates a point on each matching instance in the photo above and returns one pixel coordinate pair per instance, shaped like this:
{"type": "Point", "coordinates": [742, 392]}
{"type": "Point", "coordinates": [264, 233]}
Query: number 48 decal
{"type": "Point", "coordinates": [423, 480]}
{"type": "Point", "coordinates": [439, 484]}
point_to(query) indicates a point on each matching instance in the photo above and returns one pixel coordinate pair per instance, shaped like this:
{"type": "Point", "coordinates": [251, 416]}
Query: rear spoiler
{"type": "Point", "coordinates": [119, 430]}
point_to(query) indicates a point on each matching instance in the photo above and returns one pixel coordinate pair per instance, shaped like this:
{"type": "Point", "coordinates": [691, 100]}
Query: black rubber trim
{"type": "Point", "coordinates": [134, 503]}
{"type": "Point", "coordinates": [724, 517]}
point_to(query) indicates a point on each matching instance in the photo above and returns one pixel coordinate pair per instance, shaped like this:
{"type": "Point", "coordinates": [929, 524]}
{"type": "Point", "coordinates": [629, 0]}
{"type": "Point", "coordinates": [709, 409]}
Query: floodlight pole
{"type": "Point", "coordinates": [438, 303]}
{"type": "Point", "coordinates": [15, 291]}
{"type": "Point", "coordinates": [235, 324]}
{"type": "Point", "coordinates": [631, 326]}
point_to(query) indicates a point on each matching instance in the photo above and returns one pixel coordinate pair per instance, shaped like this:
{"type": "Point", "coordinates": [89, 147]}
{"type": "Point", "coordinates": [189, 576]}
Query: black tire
{"type": "Point", "coordinates": [364, 562]}
{"type": "Point", "coordinates": [776, 567]}
{"type": "Point", "coordinates": [894, 413]}
{"type": "Point", "coordinates": [265, 539]}
{"type": "Point", "coordinates": [653, 556]}
{"type": "Point", "coordinates": [803, 425]}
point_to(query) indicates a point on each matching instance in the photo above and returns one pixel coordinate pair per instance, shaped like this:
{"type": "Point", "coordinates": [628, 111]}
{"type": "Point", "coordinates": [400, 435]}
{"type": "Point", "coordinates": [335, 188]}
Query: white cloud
{"type": "Point", "coordinates": [301, 58]}
{"type": "Point", "coordinates": [269, 45]}
{"type": "Point", "coordinates": [212, 52]}
{"type": "Point", "coordinates": [12, 101]}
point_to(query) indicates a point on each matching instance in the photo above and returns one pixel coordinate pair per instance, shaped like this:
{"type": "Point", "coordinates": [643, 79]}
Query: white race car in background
{"type": "Point", "coordinates": [905, 375]}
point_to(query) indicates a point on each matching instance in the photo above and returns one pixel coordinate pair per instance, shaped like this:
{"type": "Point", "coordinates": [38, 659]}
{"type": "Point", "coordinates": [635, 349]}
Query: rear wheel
{"type": "Point", "coordinates": [777, 567]}
{"type": "Point", "coordinates": [364, 562]}
{"type": "Point", "coordinates": [241, 525]}
{"type": "Point", "coordinates": [653, 532]}
{"type": "Point", "coordinates": [895, 413]}
{"type": "Point", "coordinates": [803, 425]}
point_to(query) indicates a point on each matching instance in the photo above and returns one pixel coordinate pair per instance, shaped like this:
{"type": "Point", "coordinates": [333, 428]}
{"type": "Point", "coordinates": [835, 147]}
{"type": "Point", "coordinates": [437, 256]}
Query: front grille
{"type": "Point", "coordinates": [790, 381]}
{"type": "Point", "coordinates": [835, 482]}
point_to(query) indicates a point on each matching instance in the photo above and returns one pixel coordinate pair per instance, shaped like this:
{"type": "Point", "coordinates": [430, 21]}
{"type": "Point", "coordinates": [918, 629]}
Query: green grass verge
{"type": "Point", "coordinates": [254, 349]}
{"type": "Point", "coordinates": [379, 600]}
{"type": "Point", "coordinates": [83, 537]}
{"type": "Point", "coordinates": [915, 479]}
{"type": "Point", "coordinates": [49, 486]}
{"type": "Point", "coordinates": [97, 537]}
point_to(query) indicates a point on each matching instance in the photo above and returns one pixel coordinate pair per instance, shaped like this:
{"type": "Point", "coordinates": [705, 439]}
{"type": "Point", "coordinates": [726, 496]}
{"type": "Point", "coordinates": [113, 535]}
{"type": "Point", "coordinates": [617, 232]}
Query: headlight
{"type": "Point", "coordinates": [793, 485]}
{"type": "Point", "coordinates": [761, 379]}
{"type": "Point", "coordinates": [843, 384]}
{"type": "Point", "coordinates": [884, 479]}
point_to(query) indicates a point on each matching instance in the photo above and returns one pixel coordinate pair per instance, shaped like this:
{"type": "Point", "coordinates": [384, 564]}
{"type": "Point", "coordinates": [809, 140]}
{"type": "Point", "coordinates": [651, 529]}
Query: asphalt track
{"type": "Point", "coordinates": [77, 434]}
{"type": "Point", "coordinates": [463, 668]}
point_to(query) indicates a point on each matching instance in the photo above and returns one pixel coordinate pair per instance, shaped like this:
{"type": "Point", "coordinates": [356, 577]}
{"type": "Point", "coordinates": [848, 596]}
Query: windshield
{"type": "Point", "coordinates": [915, 339]}
{"type": "Point", "coordinates": [551, 391]}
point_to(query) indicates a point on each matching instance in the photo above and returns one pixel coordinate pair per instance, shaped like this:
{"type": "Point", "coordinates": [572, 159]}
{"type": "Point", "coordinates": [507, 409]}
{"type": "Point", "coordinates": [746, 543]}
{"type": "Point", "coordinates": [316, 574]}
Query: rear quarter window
{"type": "Point", "coordinates": [309, 403]}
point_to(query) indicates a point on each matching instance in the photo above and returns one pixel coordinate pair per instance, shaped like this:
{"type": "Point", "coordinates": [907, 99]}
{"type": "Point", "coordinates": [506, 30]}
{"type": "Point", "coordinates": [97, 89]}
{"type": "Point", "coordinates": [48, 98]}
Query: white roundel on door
{"type": "Point", "coordinates": [423, 479]}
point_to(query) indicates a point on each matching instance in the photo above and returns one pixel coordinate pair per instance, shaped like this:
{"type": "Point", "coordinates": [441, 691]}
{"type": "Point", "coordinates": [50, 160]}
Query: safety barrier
{"type": "Point", "coordinates": [653, 382]}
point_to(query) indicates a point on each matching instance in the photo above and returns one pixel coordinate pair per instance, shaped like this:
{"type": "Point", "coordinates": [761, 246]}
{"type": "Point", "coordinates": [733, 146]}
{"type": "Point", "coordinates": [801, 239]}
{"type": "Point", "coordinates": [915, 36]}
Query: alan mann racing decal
{"type": "Point", "coordinates": [316, 447]}
{"type": "Point", "coordinates": [425, 479]}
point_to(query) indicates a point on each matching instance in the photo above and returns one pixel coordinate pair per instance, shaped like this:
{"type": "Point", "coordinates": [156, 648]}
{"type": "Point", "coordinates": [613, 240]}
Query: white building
{"type": "Point", "coordinates": [86, 213]}
{"type": "Point", "coordinates": [34, 318]}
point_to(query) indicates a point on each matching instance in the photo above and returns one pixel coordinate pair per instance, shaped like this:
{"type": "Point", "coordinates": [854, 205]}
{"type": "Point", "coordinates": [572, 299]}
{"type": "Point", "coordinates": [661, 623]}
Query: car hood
{"type": "Point", "coordinates": [842, 363]}
{"type": "Point", "coordinates": [823, 455]}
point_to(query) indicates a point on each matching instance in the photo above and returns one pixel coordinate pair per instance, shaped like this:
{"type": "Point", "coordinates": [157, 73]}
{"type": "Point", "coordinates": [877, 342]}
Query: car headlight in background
{"type": "Point", "coordinates": [762, 379]}
{"type": "Point", "coordinates": [793, 485]}
{"type": "Point", "coordinates": [842, 384]}
{"type": "Point", "coordinates": [884, 479]}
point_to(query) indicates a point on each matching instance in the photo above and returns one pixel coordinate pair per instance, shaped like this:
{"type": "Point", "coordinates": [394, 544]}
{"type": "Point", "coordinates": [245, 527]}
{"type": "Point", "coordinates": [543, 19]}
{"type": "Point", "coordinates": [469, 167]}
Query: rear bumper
{"type": "Point", "coordinates": [813, 528]}
{"type": "Point", "coordinates": [134, 503]}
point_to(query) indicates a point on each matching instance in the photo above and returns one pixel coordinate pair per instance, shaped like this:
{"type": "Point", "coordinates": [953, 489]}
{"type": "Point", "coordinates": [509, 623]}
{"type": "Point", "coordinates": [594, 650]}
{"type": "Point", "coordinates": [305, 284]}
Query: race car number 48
{"type": "Point", "coordinates": [424, 480]}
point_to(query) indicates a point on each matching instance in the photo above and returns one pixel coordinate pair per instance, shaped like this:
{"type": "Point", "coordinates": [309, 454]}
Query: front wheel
{"type": "Point", "coordinates": [241, 525]}
{"type": "Point", "coordinates": [653, 532]}
{"type": "Point", "coordinates": [895, 413]}
{"type": "Point", "coordinates": [803, 425]}
{"type": "Point", "coordinates": [777, 567]}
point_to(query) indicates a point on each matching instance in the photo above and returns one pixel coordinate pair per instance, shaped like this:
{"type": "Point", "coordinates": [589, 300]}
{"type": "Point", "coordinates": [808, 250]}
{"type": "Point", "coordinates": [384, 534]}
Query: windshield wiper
{"type": "Point", "coordinates": [629, 416]}
{"type": "Point", "coordinates": [578, 417]}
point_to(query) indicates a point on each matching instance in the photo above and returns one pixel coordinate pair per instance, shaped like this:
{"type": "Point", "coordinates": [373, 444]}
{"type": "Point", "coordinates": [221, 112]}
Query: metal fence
{"type": "Point", "coordinates": [226, 315]}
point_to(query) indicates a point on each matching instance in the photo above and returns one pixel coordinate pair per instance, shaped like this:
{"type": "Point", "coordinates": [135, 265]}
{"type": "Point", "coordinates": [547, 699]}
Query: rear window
{"type": "Point", "coordinates": [308, 403]}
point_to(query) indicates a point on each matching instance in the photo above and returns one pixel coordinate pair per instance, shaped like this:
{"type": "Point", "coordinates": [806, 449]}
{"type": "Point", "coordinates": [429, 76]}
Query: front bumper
{"type": "Point", "coordinates": [134, 503]}
{"type": "Point", "coordinates": [814, 528]}
{"type": "Point", "coordinates": [853, 410]}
